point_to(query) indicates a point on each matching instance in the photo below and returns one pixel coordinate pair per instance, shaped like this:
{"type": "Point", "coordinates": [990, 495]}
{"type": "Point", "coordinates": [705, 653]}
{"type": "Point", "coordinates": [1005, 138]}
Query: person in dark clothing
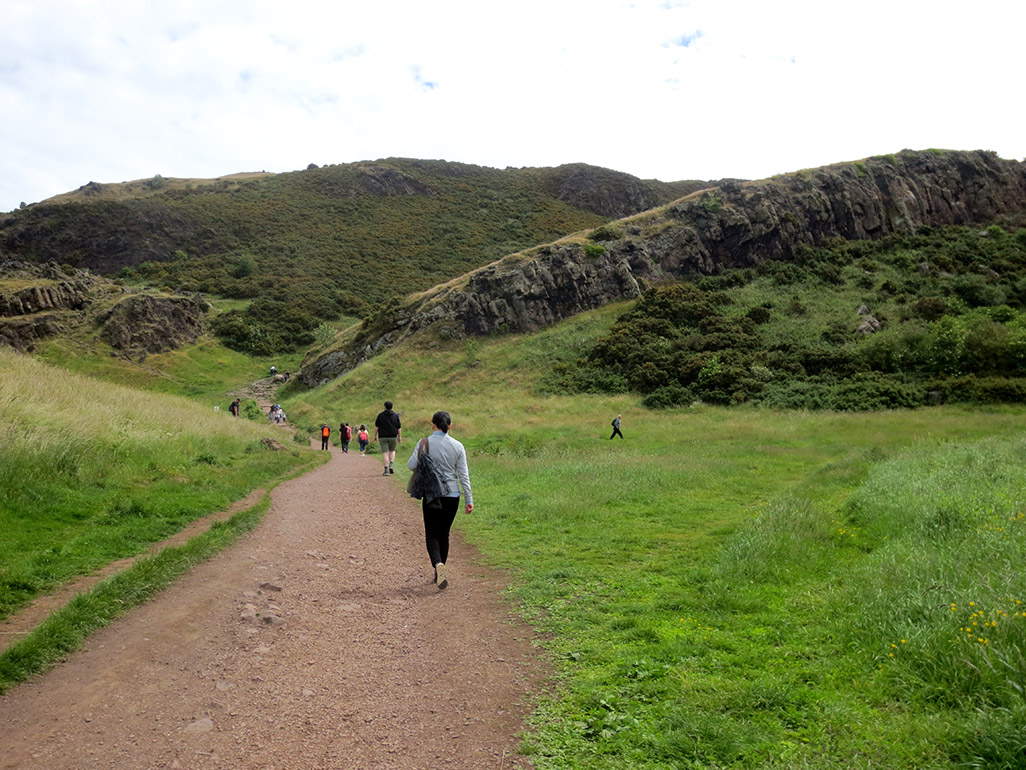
{"type": "Point", "coordinates": [234, 408]}
{"type": "Point", "coordinates": [388, 432]}
{"type": "Point", "coordinates": [345, 435]}
{"type": "Point", "coordinates": [325, 435]}
{"type": "Point", "coordinates": [616, 428]}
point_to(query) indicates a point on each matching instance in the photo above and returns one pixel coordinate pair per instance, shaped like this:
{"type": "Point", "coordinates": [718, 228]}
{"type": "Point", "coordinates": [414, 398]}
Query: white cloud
{"type": "Point", "coordinates": [111, 90]}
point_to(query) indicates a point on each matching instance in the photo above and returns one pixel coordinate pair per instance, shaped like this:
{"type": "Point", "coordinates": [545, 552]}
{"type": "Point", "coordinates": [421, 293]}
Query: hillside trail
{"type": "Point", "coordinates": [316, 641]}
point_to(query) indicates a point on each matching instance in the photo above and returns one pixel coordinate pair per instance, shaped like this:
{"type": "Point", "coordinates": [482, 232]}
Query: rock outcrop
{"type": "Point", "coordinates": [143, 323]}
{"type": "Point", "coordinates": [730, 226]}
{"type": "Point", "coordinates": [42, 301]}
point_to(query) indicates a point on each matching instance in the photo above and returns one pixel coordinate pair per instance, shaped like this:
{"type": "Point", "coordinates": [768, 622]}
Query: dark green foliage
{"type": "Point", "coordinates": [606, 233]}
{"type": "Point", "coordinates": [954, 341]}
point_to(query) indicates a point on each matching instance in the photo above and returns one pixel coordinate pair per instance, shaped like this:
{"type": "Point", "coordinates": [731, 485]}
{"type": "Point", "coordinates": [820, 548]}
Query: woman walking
{"type": "Point", "coordinates": [449, 459]}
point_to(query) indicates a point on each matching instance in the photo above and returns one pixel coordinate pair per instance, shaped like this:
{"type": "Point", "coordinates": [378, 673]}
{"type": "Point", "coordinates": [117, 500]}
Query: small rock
{"type": "Point", "coordinates": [270, 587]}
{"type": "Point", "coordinates": [204, 725]}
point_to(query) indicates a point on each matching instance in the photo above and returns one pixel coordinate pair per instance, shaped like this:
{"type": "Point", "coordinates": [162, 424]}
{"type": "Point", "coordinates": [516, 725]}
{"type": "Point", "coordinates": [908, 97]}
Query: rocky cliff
{"type": "Point", "coordinates": [732, 225]}
{"type": "Point", "coordinates": [42, 301]}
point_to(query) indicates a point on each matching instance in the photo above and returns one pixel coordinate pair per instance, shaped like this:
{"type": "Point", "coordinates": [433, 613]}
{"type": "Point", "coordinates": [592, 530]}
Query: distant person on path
{"type": "Point", "coordinates": [345, 435]}
{"type": "Point", "coordinates": [364, 439]}
{"type": "Point", "coordinates": [388, 432]}
{"type": "Point", "coordinates": [325, 435]}
{"type": "Point", "coordinates": [616, 428]}
{"type": "Point", "coordinates": [234, 408]}
{"type": "Point", "coordinates": [450, 461]}
{"type": "Point", "coordinates": [274, 369]}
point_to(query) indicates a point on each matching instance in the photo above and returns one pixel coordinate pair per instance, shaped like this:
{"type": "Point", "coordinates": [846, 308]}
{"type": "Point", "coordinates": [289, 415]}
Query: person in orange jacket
{"type": "Point", "coordinates": [325, 433]}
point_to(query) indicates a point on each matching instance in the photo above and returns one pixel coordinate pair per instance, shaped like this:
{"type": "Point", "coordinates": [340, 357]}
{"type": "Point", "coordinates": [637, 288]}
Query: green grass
{"type": "Point", "coordinates": [205, 372]}
{"type": "Point", "coordinates": [69, 626]}
{"type": "Point", "coordinates": [725, 588]}
{"type": "Point", "coordinates": [722, 588]}
{"type": "Point", "coordinates": [94, 472]}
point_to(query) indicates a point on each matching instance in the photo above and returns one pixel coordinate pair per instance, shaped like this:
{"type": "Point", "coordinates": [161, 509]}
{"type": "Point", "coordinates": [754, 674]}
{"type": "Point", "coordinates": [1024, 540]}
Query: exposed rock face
{"type": "Point", "coordinates": [23, 333]}
{"type": "Point", "coordinates": [609, 193]}
{"type": "Point", "coordinates": [141, 323]}
{"type": "Point", "coordinates": [46, 301]}
{"type": "Point", "coordinates": [66, 295]}
{"type": "Point", "coordinates": [45, 307]}
{"type": "Point", "coordinates": [733, 225]}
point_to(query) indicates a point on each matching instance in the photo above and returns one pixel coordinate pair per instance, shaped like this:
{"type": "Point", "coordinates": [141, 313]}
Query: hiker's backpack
{"type": "Point", "coordinates": [425, 483]}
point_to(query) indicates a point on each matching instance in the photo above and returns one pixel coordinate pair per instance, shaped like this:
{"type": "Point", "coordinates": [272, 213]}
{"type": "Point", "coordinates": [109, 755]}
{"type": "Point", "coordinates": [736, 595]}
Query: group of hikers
{"type": "Point", "coordinates": [444, 460]}
{"type": "Point", "coordinates": [387, 432]}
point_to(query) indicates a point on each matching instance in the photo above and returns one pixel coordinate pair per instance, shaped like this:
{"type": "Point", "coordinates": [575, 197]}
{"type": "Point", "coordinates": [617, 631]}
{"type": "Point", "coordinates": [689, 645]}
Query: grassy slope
{"type": "Point", "coordinates": [94, 472]}
{"type": "Point", "coordinates": [695, 580]}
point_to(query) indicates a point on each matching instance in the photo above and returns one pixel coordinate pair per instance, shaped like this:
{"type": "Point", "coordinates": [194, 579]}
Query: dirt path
{"type": "Point", "coordinates": [318, 641]}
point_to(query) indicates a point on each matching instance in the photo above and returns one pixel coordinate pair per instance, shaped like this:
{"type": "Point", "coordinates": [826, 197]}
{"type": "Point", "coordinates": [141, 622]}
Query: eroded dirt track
{"type": "Point", "coordinates": [318, 641]}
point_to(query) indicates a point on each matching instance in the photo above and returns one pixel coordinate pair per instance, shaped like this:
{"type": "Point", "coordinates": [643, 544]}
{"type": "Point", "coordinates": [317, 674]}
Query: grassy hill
{"type": "Point", "coordinates": [311, 245]}
{"type": "Point", "coordinates": [727, 586]}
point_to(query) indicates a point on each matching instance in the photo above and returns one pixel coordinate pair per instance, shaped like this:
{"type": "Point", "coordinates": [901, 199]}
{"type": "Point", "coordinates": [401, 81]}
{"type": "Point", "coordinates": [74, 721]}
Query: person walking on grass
{"type": "Point", "coordinates": [449, 459]}
{"type": "Point", "coordinates": [616, 428]}
{"type": "Point", "coordinates": [388, 432]}
{"type": "Point", "coordinates": [325, 435]}
{"type": "Point", "coordinates": [234, 408]}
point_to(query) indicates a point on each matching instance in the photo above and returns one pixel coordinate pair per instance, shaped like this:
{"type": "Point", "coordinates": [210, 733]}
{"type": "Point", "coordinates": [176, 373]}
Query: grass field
{"type": "Point", "coordinates": [737, 587]}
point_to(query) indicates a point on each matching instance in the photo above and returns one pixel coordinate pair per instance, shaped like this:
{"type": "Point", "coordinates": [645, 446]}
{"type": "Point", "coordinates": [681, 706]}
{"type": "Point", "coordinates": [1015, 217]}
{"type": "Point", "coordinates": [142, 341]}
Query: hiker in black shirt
{"type": "Point", "coordinates": [388, 433]}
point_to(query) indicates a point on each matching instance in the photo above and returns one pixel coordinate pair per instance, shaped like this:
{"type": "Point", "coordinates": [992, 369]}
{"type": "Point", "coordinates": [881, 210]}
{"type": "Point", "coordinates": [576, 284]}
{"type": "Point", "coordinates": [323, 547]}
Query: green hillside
{"type": "Point", "coordinates": [311, 245]}
{"type": "Point", "coordinates": [94, 472]}
{"type": "Point", "coordinates": [911, 320]}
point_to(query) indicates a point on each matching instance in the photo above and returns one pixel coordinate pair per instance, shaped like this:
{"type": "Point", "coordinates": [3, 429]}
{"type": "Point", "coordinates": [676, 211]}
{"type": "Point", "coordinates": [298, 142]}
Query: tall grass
{"type": "Point", "coordinates": [94, 472]}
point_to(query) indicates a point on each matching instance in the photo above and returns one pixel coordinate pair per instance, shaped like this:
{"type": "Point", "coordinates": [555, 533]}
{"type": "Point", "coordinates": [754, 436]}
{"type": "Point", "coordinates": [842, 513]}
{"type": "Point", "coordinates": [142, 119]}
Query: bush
{"type": "Point", "coordinates": [758, 315]}
{"type": "Point", "coordinates": [606, 233]}
{"type": "Point", "coordinates": [668, 396]}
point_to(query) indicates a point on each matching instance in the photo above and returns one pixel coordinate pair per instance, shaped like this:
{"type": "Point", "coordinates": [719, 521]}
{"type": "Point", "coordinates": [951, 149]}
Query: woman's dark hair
{"type": "Point", "coordinates": [442, 421]}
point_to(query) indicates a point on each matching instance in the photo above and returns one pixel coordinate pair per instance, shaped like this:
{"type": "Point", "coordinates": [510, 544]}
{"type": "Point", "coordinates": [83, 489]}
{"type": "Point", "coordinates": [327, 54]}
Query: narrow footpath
{"type": "Point", "coordinates": [316, 641]}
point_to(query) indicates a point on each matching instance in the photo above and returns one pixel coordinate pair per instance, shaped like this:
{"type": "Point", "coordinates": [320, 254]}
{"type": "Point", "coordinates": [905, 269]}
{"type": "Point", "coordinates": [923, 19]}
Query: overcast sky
{"type": "Point", "coordinates": [116, 90]}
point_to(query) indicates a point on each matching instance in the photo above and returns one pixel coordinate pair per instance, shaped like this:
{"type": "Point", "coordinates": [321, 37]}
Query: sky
{"type": "Point", "coordinates": [118, 90]}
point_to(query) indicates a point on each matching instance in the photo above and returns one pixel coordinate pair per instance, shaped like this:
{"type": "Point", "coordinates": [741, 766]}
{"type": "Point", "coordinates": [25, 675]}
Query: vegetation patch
{"type": "Point", "coordinates": [852, 325]}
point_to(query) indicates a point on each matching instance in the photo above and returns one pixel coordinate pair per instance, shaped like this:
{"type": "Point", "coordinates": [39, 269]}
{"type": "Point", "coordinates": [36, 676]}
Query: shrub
{"type": "Point", "coordinates": [668, 396]}
{"type": "Point", "coordinates": [594, 250]}
{"type": "Point", "coordinates": [758, 315]}
{"type": "Point", "coordinates": [606, 233]}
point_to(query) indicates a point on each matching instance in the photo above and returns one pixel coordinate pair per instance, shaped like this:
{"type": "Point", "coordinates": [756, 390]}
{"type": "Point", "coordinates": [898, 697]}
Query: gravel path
{"type": "Point", "coordinates": [317, 641]}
